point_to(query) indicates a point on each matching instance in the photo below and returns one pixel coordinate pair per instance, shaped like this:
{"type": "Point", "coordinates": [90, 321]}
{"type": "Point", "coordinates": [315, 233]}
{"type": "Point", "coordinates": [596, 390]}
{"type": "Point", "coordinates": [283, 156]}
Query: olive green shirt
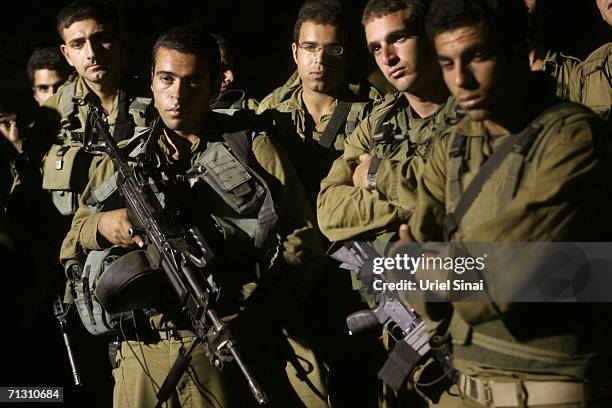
{"type": "Point", "coordinates": [560, 67]}
{"type": "Point", "coordinates": [345, 211]}
{"type": "Point", "coordinates": [564, 193]}
{"type": "Point", "coordinates": [297, 132]}
{"type": "Point", "coordinates": [300, 248]}
{"type": "Point", "coordinates": [592, 82]}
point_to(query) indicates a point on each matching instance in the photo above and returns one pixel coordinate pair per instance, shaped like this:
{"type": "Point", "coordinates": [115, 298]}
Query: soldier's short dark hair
{"type": "Point", "coordinates": [102, 11]}
{"type": "Point", "coordinates": [47, 58]}
{"type": "Point", "coordinates": [506, 19]}
{"type": "Point", "coordinates": [191, 39]}
{"type": "Point", "coordinates": [226, 46]}
{"type": "Point", "coordinates": [417, 11]}
{"type": "Point", "coordinates": [328, 12]}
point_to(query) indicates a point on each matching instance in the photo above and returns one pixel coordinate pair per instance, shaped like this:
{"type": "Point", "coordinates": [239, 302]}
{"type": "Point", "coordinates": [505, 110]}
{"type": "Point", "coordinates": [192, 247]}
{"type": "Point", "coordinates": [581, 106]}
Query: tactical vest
{"type": "Point", "coordinates": [388, 138]}
{"type": "Point", "coordinates": [490, 343]}
{"type": "Point", "coordinates": [244, 213]}
{"type": "Point", "coordinates": [67, 167]}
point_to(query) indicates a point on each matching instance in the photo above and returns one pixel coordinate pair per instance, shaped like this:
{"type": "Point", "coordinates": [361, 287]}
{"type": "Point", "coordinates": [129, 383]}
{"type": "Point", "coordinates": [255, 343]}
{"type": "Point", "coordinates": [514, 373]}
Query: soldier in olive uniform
{"type": "Point", "coordinates": [228, 203]}
{"type": "Point", "coordinates": [557, 174]}
{"type": "Point", "coordinates": [313, 113]}
{"type": "Point", "coordinates": [93, 44]}
{"type": "Point", "coordinates": [359, 197]}
{"type": "Point", "coordinates": [592, 79]}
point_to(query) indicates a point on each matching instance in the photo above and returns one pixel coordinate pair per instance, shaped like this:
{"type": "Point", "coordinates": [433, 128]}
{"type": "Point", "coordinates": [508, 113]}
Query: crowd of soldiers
{"type": "Point", "coordinates": [272, 184]}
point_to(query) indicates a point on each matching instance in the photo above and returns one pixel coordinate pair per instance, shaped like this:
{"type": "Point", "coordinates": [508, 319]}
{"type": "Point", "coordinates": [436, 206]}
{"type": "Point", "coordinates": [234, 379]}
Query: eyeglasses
{"type": "Point", "coordinates": [314, 49]}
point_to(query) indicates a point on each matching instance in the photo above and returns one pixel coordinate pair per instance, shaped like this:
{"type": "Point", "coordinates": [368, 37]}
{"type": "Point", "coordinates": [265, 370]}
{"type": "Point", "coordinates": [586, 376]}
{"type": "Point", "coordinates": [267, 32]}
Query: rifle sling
{"type": "Point", "coordinates": [332, 128]}
{"type": "Point", "coordinates": [519, 142]}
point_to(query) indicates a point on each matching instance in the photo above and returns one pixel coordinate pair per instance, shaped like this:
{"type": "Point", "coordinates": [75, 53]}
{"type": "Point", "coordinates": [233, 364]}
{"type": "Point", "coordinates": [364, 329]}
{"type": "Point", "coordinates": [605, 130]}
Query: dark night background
{"type": "Point", "coordinates": [261, 33]}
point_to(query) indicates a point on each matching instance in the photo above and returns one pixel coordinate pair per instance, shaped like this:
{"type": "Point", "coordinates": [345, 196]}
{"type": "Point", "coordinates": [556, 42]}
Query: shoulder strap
{"type": "Point", "coordinates": [455, 160]}
{"type": "Point", "coordinates": [518, 142]}
{"type": "Point", "coordinates": [240, 143]}
{"type": "Point", "coordinates": [379, 129]}
{"type": "Point", "coordinates": [123, 125]}
{"type": "Point", "coordinates": [337, 119]}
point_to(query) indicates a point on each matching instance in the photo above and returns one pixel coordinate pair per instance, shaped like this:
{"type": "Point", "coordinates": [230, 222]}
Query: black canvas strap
{"type": "Point", "coordinates": [519, 143]}
{"type": "Point", "coordinates": [338, 117]}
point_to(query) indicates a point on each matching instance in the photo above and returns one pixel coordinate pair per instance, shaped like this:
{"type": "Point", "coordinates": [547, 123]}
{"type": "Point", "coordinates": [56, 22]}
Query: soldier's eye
{"type": "Point", "coordinates": [77, 44]}
{"type": "Point", "coordinates": [195, 84]}
{"type": "Point", "coordinates": [375, 49]}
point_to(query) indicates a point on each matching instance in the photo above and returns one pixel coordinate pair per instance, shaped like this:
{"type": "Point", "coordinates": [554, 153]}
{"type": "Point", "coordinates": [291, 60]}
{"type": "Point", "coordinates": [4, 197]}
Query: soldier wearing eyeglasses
{"type": "Point", "coordinates": [313, 113]}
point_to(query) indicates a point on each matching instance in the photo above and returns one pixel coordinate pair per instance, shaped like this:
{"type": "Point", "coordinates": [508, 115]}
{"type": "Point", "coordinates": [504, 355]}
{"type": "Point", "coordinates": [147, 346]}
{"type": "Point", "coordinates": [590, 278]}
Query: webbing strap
{"type": "Point", "coordinates": [240, 143]}
{"type": "Point", "coordinates": [331, 130]}
{"type": "Point", "coordinates": [400, 103]}
{"type": "Point", "coordinates": [122, 124]}
{"type": "Point", "coordinates": [518, 142]}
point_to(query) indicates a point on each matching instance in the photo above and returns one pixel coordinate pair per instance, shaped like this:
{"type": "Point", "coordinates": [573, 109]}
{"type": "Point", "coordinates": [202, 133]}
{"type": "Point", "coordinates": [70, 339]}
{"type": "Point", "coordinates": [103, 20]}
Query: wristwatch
{"type": "Point", "coordinates": [373, 172]}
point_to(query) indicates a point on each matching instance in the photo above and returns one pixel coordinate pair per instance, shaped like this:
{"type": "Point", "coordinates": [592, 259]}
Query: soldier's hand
{"type": "Point", "coordinates": [115, 226]}
{"type": "Point", "coordinates": [10, 130]}
{"type": "Point", "coordinates": [360, 175]}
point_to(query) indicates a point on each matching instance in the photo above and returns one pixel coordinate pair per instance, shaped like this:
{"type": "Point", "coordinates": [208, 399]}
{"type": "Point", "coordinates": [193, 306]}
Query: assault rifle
{"type": "Point", "coordinates": [404, 325]}
{"type": "Point", "coordinates": [181, 252]}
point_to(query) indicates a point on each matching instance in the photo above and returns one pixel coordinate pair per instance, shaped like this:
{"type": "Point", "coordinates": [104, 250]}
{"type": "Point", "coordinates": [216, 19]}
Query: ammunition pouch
{"type": "Point", "coordinates": [65, 174]}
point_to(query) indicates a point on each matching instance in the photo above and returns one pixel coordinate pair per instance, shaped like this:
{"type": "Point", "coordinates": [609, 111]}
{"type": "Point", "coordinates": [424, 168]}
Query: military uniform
{"type": "Point", "coordinates": [265, 300]}
{"type": "Point", "coordinates": [57, 137]}
{"type": "Point", "coordinates": [560, 67]}
{"type": "Point", "coordinates": [316, 334]}
{"type": "Point", "coordinates": [395, 135]}
{"type": "Point", "coordinates": [592, 82]}
{"type": "Point", "coordinates": [544, 190]}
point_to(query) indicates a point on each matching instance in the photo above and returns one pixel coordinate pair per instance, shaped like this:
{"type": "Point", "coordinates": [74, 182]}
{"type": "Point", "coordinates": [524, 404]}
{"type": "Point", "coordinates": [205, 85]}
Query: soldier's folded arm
{"type": "Point", "coordinates": [301, 259]}
{"type": "Point", "coordinates": [345, 211]}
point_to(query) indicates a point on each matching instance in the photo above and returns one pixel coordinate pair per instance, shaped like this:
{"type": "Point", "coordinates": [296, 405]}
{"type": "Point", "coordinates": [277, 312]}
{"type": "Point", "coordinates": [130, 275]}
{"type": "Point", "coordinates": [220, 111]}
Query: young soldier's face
{"type": "Point", "coordinates": [182, 90]}
{"type": "Point", "coordinates": [395, 49]}
{"type": "Point", "coordinates": [46, 82]}
{"type": "Point", "coordinates": [319, 70]}
{"type": "Point", "coordinates": [93, 51]}
{"type": "Point", "coordinates": [605, 8]}
{"type": "Point", "coordinates": [473, 71]}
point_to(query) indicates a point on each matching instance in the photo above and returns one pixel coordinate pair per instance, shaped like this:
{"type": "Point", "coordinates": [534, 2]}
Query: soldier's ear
{"type": "Point", "coordinates": [294, 48]}
{"type": "Point", "coordinates": [64, 51]}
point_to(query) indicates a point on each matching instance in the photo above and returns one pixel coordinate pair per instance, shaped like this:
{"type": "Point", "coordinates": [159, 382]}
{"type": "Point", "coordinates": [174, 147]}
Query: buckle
{"type": "Point", "coordinates": [488, 393]}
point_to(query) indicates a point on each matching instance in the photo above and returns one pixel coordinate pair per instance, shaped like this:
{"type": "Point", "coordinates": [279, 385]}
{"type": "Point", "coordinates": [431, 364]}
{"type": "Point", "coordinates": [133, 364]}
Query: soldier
{"type": "Point", "coordinates": [546, 188]}
{"type": "Point", "coordinates": [93, 44]}
{"type": "Point", "coordinates": [592, 79]}
{"type": "Point", "coordinates": [229, 97]}
{"type": "Point", "coordinates": [313, 114]}
{"type": "Point", "coordinates": [47, 70]}
{"type": "Point", "coordinates": [359, 197]}
{"type": "Point", "coordinates": [234, 218]}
